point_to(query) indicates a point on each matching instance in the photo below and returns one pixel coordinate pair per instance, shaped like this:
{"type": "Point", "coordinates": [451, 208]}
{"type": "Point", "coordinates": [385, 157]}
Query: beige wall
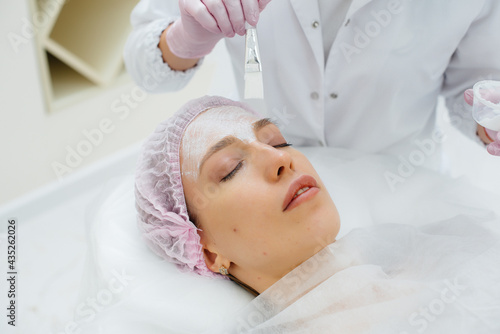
{"type": "Point", "coordinates": [32, 139]}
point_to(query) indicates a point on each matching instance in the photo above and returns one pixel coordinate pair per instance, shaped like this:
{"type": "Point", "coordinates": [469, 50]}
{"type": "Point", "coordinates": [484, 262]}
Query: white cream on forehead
{"type": "Point", "coordinates": [208, 128]}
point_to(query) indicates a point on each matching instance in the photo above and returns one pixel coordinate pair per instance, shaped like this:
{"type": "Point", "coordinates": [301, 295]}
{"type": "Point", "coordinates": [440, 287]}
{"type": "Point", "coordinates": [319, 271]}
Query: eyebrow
{"type": "Point", "coordinates": [262, 123]}
{"type": "Point", "coordinates": [229, 140]}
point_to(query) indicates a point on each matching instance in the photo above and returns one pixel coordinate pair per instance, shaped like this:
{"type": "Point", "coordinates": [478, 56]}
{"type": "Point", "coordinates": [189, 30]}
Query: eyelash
{"type": "Point", "coordinates": [282, 145]}
{"type": "Point", "coordinates": [240, 164]}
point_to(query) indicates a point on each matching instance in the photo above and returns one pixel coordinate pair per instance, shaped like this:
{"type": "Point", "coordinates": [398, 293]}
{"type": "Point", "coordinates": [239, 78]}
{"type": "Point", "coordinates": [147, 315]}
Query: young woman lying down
{"type": "Point", "coordinates": [221, 193]}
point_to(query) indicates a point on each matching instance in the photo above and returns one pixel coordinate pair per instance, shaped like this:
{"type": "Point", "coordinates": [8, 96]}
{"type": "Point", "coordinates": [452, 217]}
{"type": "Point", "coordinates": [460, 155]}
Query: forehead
{"type": "Point", "coordinates": [219, 122]}
{"type": "Point", "coordinates": [208, 128]}
{"type": "Point", "coordinates": [224, 116]}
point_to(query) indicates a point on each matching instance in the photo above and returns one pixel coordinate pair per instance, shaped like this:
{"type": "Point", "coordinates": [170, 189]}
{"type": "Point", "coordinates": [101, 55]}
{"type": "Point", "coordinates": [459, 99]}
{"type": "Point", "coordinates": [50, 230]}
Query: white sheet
{"type": "Point", "coordinates": [160, 299]}
{"type": "Point", "coordinates": [389, 278]}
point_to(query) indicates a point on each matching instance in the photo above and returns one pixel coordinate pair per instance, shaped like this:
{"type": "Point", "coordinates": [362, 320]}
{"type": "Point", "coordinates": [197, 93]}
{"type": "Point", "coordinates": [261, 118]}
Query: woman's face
{"type": "Point", "coordinates": [260, 204]}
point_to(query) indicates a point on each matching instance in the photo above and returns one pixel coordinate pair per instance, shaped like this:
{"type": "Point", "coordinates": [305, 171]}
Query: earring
{"type": "Point", "coordinates": [223, 270]}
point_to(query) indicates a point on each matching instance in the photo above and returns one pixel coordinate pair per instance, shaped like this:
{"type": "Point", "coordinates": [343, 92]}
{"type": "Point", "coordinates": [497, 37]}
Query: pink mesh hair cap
{"type": "Point", "coordinates": [162, 214]}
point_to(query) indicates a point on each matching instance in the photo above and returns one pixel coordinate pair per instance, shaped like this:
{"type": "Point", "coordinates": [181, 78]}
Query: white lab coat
{"type": "Point", "coordinates": [378, 90]}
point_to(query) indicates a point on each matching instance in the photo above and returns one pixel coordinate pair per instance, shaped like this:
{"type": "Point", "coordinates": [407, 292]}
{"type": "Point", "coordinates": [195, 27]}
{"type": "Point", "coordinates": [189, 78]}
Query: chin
{"type": "Point", "coordinates": [327, 225]}
{"type": "Point", "coordinates": [322, 233]}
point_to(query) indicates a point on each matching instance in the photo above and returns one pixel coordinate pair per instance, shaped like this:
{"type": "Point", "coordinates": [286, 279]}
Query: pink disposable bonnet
{"type": "Point", "coordinates": [159, 196]}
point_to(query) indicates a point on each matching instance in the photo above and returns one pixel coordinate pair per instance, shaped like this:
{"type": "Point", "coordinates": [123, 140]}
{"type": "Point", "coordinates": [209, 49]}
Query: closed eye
{"type": "Point", "coordinates": [240, 164]}
{"type": "Point", "coordinates": [232, 173]}
{"type": "Point", "coordinates": [282, 145]}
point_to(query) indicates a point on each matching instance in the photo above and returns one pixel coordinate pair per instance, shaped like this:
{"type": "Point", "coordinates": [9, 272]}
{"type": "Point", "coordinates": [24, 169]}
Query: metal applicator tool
{"type": "Point", "coordinates": [254, 88]}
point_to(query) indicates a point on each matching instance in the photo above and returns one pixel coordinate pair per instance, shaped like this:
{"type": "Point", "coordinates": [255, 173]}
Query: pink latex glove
{"type": "Point", "coordinates": [204, 22]}
{"type": "Point", "coordinates": [494, 147]}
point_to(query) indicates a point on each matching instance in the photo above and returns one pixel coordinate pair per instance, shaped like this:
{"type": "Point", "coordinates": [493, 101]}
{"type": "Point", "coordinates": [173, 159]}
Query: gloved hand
{"type": "Point", "coordinates": [494, 147]}
{"type": "Point", "coordinates": [204, 22]}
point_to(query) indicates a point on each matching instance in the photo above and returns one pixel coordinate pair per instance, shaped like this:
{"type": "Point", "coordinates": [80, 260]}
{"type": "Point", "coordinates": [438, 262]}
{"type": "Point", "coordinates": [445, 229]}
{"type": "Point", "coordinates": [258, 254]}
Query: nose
{"type": "Point", "coordinates": [273, 162]}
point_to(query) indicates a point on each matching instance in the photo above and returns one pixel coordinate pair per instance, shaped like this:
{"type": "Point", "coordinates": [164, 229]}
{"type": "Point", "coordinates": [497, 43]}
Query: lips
{"type": "Point", "coordinates": [299, 191]}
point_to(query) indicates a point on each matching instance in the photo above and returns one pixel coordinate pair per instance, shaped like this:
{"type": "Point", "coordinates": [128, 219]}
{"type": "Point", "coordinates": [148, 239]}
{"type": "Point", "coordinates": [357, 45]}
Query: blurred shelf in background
{"type": "Point", "coordinates": [80, 47]}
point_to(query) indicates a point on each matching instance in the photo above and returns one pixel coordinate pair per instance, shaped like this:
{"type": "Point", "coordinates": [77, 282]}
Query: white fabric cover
{"type": "Point", "coordinates": [160, 299]}
{"type": "Point", "coordinates": [390, 278]}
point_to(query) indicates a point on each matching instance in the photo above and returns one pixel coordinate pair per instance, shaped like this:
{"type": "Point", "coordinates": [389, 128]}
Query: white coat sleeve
{"type": "Point", "coordinates": [476, 58]}
{"type": "Point", "coordinates": [143, 57]}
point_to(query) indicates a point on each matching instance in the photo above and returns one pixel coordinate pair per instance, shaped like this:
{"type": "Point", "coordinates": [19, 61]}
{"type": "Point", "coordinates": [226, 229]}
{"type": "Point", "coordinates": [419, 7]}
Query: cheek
{"type": "Point", "coordinates": [243, 206]}
{"type": "Point", "coordinates": [246, 193]}
{"type": "Point", "coordinates": [242, 210]}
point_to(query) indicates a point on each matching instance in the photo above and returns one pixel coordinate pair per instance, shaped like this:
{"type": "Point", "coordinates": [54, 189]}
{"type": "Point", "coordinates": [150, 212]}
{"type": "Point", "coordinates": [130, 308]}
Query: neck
{"type": "Point", "coordinates": [254, 283]}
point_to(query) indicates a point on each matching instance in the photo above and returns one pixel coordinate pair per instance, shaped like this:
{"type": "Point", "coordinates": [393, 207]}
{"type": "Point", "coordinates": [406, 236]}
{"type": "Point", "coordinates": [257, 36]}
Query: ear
{"type": "Point", "coordinates": [213, 260]}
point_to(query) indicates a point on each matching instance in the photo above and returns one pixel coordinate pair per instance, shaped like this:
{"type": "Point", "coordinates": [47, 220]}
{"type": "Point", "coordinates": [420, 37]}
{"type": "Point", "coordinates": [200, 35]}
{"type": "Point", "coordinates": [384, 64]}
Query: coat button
{"type": "Point", "coordinates": [314, 95]}
{"type": "Point", "coordinates": [333, 95]}
{"type": "Point", "coordinates": [315, 24]}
